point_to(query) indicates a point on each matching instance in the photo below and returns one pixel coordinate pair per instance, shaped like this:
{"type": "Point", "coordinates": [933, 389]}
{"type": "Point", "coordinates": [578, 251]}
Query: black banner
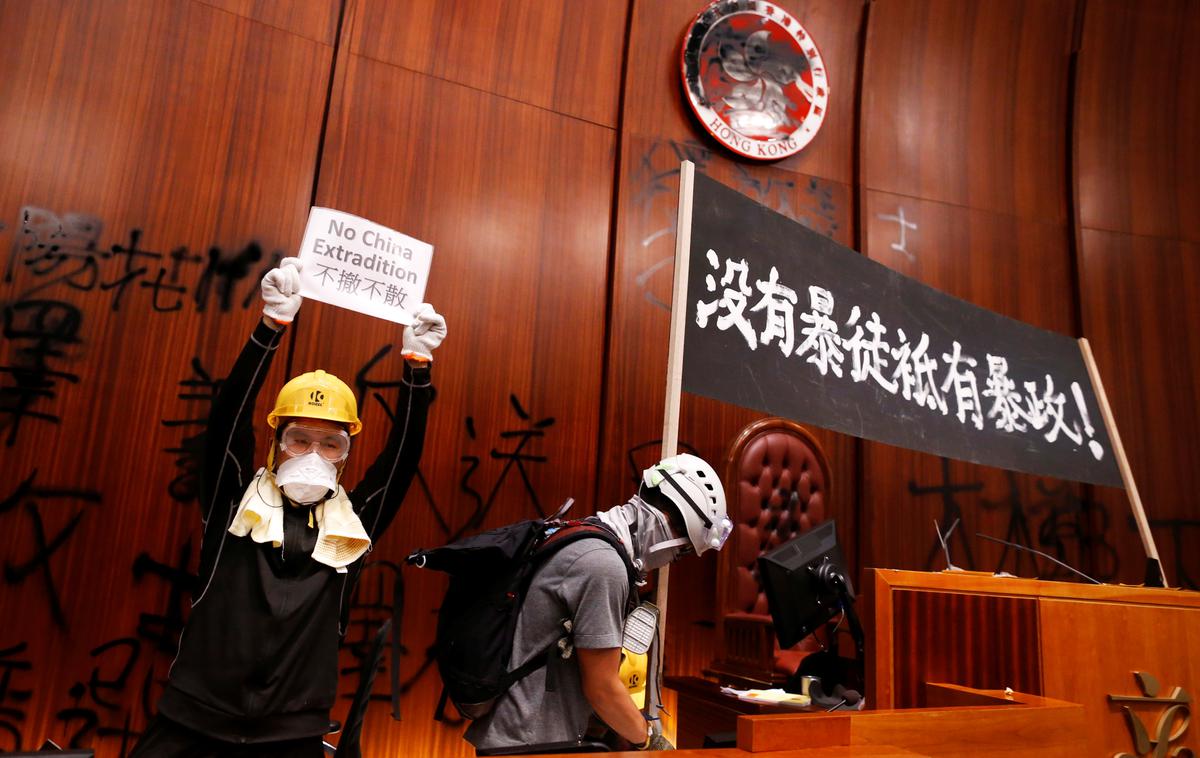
{"type": "Point", "coordinates": [787, 321]}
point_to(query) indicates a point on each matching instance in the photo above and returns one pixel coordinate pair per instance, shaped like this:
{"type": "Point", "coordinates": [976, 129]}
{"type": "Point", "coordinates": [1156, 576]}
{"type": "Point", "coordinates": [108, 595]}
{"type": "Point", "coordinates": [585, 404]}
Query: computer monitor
{"type": "Point", "coordinates": [805, 580]}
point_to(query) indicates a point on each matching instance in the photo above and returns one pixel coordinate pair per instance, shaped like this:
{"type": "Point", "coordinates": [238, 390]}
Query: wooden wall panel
{"type": "Point", "coordinates": [658, 131]}
{"type": "Point", "coordinates": [494, 131]}
{"type": "Point", "coordinates": [515, 200]}
{"type": "Point", "coordinates": [563, 56]}
{"type": "Point", "coordinates": [1141, 314]}
{"type": "Point", "coordinates": [955, 639]}
{"type": "Point", "coordinates": [142, 138]}
{"type": "Point", "coordinates": [965, 102]}
{"type": "Point", "coordinates": [313, 19]}
{"type": "Point", "coordinates": [1138, 181]}
{"type": "Point", "coordinates": [965, 189]}
{"type": "Point", "coordinates": [1138, 156]}
{"type": "Point", "coordinates": [1016, 267]}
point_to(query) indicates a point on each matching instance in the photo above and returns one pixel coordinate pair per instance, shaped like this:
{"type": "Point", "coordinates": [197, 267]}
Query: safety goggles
{"type": "Point", "coordinates": [300, 439]}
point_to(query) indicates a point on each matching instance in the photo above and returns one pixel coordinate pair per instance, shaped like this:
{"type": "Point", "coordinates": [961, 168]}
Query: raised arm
{"type": "Point", "coordinates": [228, 458]}
{"type": "Point", "coordinates": [381, 491]}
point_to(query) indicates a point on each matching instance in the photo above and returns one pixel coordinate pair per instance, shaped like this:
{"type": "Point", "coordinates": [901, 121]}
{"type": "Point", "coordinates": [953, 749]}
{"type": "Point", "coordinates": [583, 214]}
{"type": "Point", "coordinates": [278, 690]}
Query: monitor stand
{"type": "Point", "coordinates": [827, 665]}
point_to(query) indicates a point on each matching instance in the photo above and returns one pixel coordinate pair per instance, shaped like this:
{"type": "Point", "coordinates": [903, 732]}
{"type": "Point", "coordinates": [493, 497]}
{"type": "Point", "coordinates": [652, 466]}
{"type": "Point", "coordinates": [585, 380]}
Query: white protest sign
{"type": "Point", "coordinates": [362, 266]}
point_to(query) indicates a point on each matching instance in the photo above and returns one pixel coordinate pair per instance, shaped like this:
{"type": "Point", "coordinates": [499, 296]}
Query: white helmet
{"type": "Point", "coordinates": [693, 486]}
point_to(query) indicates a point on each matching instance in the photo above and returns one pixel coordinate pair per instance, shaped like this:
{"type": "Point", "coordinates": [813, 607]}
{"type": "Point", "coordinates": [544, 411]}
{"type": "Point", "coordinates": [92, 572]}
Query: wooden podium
{"type": "Point", "coordinates": [1079, 643]}
{"type": "Point", "coordinates": [1095, 670]}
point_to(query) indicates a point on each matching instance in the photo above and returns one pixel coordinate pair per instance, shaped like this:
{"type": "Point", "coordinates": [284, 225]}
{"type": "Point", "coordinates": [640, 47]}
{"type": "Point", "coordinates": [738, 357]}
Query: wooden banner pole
{"type": "Point", "coordinates": [1110, 423]}
{"type": "Point", "coordinates": [670, 435]}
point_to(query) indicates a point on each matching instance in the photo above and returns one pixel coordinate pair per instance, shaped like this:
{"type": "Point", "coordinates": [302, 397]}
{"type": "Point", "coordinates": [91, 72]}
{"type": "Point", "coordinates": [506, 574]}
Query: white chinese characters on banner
{"type": "Point", "coordinates": [362, 266]}
{"type": "Point", "coordinates": [901, 366]}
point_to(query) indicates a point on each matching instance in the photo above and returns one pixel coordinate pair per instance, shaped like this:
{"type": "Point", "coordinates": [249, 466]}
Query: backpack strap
{"type": "Point", "coordinates": [567, 533]}
{"type": "Point", "coordinates": [570, 531]}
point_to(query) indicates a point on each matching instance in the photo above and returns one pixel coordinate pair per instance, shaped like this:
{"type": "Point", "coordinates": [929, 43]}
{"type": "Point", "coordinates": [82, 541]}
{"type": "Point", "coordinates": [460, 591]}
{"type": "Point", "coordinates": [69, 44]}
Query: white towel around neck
{"type": "Point", "coordinates": [341, 538]}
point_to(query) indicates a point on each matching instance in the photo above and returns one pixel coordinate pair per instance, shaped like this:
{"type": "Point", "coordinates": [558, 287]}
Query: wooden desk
{"type": "Point", "coordinates": [996, 725]}
{"type": "Point", "coordinates": [1072, 642]}
{"type": "Point", "coordinates": [704, 709]}
{"type": "Point", "coordinates": [960, 722]}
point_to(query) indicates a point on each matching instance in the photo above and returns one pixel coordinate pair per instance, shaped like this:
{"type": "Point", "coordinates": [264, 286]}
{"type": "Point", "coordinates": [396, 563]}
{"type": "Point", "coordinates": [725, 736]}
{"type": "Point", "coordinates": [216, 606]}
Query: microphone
{"type": "Point", "coordinates": [1039, 552]}
{"type": "Point", "coordinates": [839, 697]}
{"type": "Point", "coordinates": [945, 540]}
{"type": "Point", "coordinates": [849, 698]}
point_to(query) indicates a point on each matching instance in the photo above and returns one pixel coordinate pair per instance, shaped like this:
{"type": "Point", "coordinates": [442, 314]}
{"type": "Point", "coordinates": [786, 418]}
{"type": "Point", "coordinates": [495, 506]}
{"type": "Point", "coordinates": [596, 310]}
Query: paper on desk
{"type": "Point", "coordinates": [773, 697]}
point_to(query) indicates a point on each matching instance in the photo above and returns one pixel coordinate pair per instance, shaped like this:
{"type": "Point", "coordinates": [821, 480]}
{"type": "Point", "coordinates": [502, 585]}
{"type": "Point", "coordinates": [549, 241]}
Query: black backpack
{"type": "Point", "coordinates": [490, 574]}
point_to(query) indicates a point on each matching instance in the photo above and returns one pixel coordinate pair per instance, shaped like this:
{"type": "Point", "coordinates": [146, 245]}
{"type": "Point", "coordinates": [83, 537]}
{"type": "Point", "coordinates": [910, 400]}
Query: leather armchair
{"type": "Point", "coordinates": [777, 486]}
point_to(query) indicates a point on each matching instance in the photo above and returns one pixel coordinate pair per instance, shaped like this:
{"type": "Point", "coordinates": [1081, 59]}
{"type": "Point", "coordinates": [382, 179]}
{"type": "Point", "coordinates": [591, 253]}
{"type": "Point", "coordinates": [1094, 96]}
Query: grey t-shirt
{"type": "Point", "coordinates": [586, 582]}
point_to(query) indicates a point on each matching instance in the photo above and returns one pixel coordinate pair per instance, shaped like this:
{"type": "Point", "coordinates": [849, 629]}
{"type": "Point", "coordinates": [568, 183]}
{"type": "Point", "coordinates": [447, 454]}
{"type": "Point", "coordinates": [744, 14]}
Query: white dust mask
{"type": "Point", "coordinates": [306, 478]}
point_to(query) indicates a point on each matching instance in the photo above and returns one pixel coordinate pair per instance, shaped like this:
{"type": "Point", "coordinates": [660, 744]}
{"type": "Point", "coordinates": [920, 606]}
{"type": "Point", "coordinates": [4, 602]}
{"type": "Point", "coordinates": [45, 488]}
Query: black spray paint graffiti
{"type": "Point", "coordinates": [30, 498]}
{"type": "Point", "coordinates": [163, 629]}
{"type": "Point", "coordinates": [40, 330]}
{"type": "Point", "coordinates": [104, 703]}
{"type": "Point", "coordinates": [1018, 527]}
{"type": "Point", "coordinates": [199, 387]}
{"type": "Point", "coordinates": [13, 700]}
{"type": "Point", "coordinates": [657, 182]}
{"type": "Point", "coordinates": [517, 458]}
{"type": "Point", "coordinates": [1073, 531]}
{"type": "Point", "coordinates": [98, 710]}
{"type": "Point", "coordinates": [951, 512]}
{"type": "Point", "coordinates": [44, 241]}
{"type": "Point", "coordinates": [1074, 521]}
{"type": "Point", "coordinates": [53, 251]}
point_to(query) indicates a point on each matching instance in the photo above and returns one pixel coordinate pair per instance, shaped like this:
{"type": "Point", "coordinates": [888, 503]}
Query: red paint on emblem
{"type": "Point", "coordinates": [756, 84]}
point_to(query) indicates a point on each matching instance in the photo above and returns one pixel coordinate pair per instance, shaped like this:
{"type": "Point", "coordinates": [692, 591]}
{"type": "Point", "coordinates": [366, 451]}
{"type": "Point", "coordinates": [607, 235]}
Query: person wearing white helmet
{"type": "Point", "coordinates": [679, 510]}
{"type": "Point", "coordinates": [257, 668]}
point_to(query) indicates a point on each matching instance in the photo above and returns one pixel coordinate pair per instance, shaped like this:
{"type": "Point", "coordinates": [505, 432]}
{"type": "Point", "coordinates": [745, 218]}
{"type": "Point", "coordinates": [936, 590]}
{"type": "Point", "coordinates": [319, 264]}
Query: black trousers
{"type": "Point", "coordinates": [165, 738]}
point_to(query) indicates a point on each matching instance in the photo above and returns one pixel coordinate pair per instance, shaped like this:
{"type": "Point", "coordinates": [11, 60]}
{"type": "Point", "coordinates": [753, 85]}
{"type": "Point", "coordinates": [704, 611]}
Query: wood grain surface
{"type": "Point", "coordinates": [562, 55]}
{"type": "Point", "coordinates": [950, 93]}
{"type": "Point", "coordinates": [1135, 131]}
{"type": "Point", "coordinates": [156, 158]}
{"type": "Point", "coordinates": [1080, 643]}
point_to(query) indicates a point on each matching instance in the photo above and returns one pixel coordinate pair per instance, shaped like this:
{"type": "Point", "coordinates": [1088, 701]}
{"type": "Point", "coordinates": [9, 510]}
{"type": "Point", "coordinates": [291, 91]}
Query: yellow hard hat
{"type": "Point", "coordinates": [317, 395]}
{"type": "Point", "coordinates": [633, 675]}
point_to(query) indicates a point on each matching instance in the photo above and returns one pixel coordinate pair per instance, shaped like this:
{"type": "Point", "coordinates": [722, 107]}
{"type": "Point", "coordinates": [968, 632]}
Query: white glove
{"type": "Point", "coordinates": [281, 291]}
{"type": "Point", "coordinates": [426, 332]}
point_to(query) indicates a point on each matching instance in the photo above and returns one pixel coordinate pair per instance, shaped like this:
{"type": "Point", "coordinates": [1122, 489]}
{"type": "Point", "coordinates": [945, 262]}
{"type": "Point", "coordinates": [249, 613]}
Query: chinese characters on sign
{"type": "Point", "coordinates": [359, 265]}
{"type": "Point", "coordinates": [787, 321]}
{"type": "Point", "coordinates": [943, 382]}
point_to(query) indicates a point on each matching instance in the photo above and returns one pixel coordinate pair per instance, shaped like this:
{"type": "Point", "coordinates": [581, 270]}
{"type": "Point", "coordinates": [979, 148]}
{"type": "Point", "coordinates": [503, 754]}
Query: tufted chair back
{"type": "Point", "coordinates": [777, 486]}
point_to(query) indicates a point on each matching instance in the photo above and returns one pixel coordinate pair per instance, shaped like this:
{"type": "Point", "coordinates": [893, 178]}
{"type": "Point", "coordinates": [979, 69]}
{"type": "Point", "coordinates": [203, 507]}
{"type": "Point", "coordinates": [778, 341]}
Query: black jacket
{"type": "Point", "coordinates": [258, 659]}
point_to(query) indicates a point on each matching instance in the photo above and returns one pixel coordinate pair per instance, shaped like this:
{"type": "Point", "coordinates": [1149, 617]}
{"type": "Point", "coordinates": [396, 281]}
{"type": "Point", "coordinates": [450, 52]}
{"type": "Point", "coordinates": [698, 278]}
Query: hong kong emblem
{"type": "Point", "coordinates": [754, 78]}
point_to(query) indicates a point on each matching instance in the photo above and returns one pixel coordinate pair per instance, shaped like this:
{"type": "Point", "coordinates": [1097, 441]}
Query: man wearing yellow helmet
{"type": "Point", "coordinates": [256, 672]}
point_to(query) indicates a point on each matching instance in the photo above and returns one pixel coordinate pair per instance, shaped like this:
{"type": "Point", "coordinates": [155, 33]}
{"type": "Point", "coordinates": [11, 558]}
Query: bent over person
{"type": "Point", "coordinates": [584, 591]}
{"type": "Point", "coordinates": [256, 673]}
